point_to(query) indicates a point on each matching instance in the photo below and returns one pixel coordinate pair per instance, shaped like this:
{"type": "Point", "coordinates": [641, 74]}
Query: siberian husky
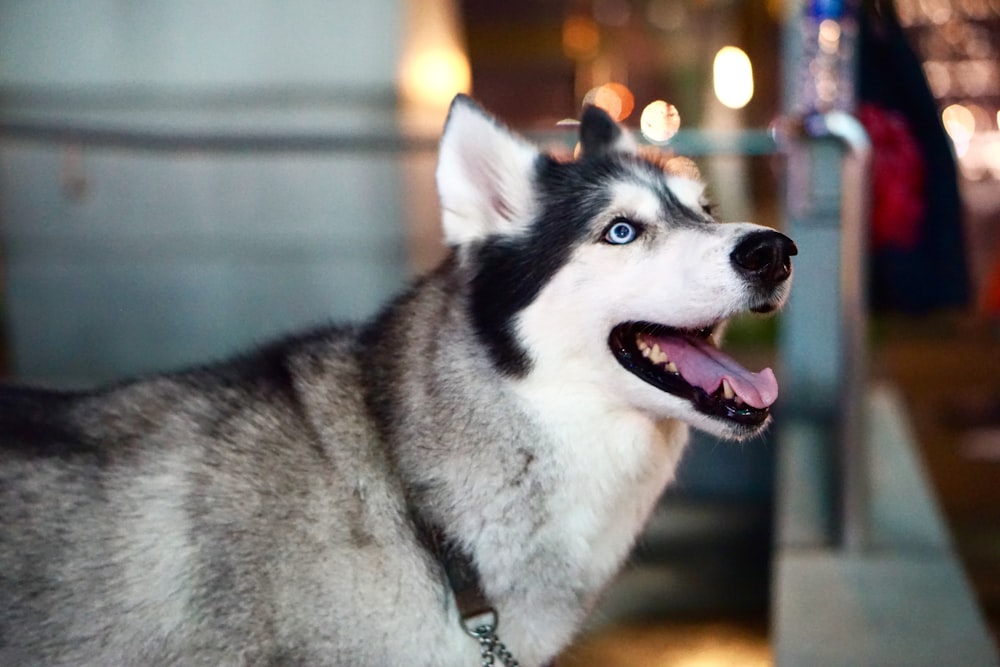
{"type": "Point", "coordinates": [452, 483]}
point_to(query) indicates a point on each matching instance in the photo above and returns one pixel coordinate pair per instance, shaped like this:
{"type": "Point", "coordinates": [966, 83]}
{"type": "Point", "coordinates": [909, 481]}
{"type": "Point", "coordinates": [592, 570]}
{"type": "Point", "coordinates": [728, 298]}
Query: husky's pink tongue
{"type": "Point", "coordinates": [703, 365]}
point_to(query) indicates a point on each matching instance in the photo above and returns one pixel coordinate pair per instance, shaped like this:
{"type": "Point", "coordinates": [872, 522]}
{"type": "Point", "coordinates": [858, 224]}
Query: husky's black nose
{"type": "Point", "coordinates": [765, 257]}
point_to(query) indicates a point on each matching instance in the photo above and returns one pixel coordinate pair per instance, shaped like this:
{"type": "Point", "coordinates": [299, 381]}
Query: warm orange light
{"type": "Point", "coordinates": [627, 99]}
{"type": "Point", "coordinates": [581, 38]}
{"type": "Point", "coordinates": [615, 98]}
{"type": "Point", "coordinates": [433, 77]}
{"type": "Point", "coordinates": [432, 64]}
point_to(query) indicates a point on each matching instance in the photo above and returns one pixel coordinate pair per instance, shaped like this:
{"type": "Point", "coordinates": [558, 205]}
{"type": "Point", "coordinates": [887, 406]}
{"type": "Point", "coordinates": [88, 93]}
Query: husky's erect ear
{"type": "Point", "coordinates": [599, 134]}
{"type": "Point", "coordinates": [484, 175]}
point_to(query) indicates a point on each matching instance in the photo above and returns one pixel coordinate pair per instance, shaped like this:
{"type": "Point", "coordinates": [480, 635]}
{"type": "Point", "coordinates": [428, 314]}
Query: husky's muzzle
{"type": "Point", "coordinates": [688, 364]}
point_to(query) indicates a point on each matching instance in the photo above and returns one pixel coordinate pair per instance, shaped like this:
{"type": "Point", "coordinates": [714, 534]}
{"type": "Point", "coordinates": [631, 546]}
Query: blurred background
{"type": "Point", "coordinates": [179, 180]}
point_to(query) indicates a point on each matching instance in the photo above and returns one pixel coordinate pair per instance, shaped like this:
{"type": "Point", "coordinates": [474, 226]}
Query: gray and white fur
{"type": "Point", "coordinates": [266, 510]}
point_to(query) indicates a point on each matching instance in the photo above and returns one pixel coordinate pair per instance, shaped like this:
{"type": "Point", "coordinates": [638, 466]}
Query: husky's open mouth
{"type": "Point", "coordinates": [687, 364]}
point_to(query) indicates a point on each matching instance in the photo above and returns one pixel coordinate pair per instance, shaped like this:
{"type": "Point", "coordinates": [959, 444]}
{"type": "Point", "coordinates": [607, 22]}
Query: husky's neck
{"type": "Point", "coordinates": [544, 485]}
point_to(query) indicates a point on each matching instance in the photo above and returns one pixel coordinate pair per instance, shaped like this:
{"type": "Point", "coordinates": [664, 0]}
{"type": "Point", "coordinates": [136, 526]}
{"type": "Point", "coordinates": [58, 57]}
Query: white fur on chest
{"type": "Point", "coordinates": [608, 466]}
{"type": "Point", "coordinates": [601, 470]}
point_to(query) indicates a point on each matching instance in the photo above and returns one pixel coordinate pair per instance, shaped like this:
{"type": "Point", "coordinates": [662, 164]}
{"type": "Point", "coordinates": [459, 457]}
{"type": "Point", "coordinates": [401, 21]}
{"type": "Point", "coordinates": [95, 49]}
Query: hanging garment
{"type": "Point", "coordinates": [917, 260]}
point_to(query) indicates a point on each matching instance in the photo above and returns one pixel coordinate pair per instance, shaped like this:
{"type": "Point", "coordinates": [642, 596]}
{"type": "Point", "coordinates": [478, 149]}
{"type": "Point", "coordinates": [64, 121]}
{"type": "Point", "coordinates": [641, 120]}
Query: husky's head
{"type": "Point", "coordinates": [607, 273]}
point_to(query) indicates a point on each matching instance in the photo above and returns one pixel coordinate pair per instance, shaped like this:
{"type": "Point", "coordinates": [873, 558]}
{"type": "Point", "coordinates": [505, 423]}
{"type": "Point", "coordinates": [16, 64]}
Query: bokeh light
{"type": "Point", "coordinates": [829, 36]}
{"type": "Point", "coordinates": [614, 98]}
{"type": "Point", "coordinates": [960, 124]}
{"type": "Point", "coordinates": [581, 37]}
{"type": "Point", "coordinates": [991, 157]}
{"type": "Point", "coordinates": [733, 77]}
{"type": "Point", "coordinates": [659, 121]}
{"type": "Point", "coordinates": [432, 64]}
{"type": "Point", "coordinates": [432, 77]}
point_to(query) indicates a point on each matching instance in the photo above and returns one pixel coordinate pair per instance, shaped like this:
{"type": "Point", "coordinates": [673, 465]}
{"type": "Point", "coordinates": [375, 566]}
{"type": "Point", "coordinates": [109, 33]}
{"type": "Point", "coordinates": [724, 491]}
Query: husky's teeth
{"type": "Point", "coordinates": [727, 390]}
{"type": "Point", "coordinates": [655, 354]}
{"type": "Point", "coordinates": [738, 400]}
{"type": "Point", "coordinates": [658, 356]}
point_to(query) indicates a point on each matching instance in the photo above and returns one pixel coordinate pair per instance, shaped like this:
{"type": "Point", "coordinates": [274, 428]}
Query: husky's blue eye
{"type": "Point", "coordinates": [620, 232]}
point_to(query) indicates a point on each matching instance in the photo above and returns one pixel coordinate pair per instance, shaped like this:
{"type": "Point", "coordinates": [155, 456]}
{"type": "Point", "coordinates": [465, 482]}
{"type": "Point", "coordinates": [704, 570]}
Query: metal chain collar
{"type": "Point", "coordinates": [483, 627]}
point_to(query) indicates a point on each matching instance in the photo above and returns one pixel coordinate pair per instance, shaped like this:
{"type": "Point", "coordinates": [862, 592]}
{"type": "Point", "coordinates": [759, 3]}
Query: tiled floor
{"type": "Point", "coordinates": [677, 643]}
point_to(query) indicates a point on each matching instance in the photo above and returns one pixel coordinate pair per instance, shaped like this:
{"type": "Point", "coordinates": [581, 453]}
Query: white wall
{"type": "Point", "coordinates": [192, 43]}
{"type": "Point", "coordinates": [125, 258]}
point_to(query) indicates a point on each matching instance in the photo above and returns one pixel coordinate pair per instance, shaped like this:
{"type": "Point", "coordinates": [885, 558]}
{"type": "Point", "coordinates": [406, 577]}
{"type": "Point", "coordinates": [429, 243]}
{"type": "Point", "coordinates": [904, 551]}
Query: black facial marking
{"type": "Point", "coordinates": [511, 270]}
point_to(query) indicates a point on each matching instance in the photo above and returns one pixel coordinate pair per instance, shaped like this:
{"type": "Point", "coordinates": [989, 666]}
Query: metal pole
{"type": "Point", "coordinates": [829, 210]}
